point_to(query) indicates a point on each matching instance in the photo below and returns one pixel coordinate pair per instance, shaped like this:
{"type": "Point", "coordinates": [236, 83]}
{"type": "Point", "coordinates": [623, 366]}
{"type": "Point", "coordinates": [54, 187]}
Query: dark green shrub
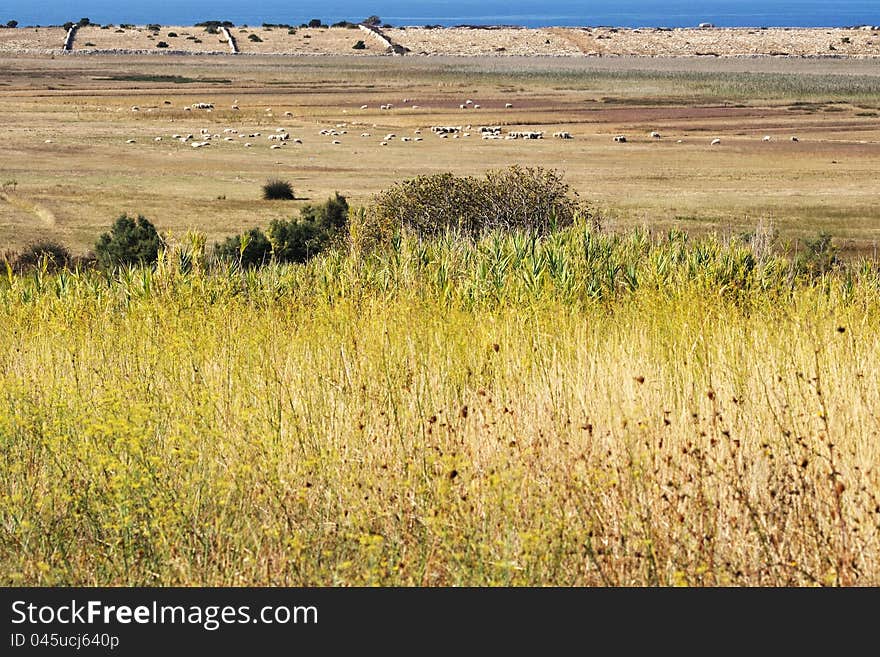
{"type": "Point", "coordinates": [252, 249]}
{"type": "Point", "coordinates": [254, 37]}
{"type": "Point", "coordinates": [172, 35]}
{"type": "Point", "coordinates": [278, 190]}
{"type": "Point", "coordinates": [12, 24]}
{"type": "Point", "coordinates": [129, 242]}
{"type": "Point", "coordinates": [316, 22]}
{"type": "Point", "coordinates": [296, 240]}
{"type": "Point", "coordinates": [55, 256]}
{"type": "Point", "coordinates": [360, 45]}
{"type": "Point", "coordinates": [83, 22]}
{"type": "Point", "coordinates": [330, 216]}
{"type": "Point", "coordinates": [161, 44]}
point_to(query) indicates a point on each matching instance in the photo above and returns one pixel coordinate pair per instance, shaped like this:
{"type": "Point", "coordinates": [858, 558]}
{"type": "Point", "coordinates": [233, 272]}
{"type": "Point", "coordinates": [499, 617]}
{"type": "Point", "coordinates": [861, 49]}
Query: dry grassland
{"type": "Point", "coordinates": [89, 174]}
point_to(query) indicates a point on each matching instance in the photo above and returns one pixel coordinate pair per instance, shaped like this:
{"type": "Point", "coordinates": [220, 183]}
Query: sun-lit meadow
{"type": "Point", "coordinates": [580, 409]}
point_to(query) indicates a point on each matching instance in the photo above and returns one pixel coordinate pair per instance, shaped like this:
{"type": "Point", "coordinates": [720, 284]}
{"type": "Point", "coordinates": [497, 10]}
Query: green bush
{"type": "Point", "coordinates": [129, 242]}
{"type": "Point", "coordinates": [252, 249]}
{"type": "Point", "coordinates": [331, 216]}
{"type": "Point", "coordinates": [254, 37]}
{"type": "Point", "coordinates": [296, 240]}
{"type": "Point", "coordinates": [515, 198]}
{"type": "Point", "coordinates": [161, 44]}
{"type": "Point", "coordinates": [278, 190]}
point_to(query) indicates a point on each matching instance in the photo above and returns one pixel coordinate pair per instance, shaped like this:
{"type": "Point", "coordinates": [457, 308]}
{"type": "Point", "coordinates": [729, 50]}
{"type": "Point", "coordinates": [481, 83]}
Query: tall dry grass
{"type": "Point", "coordinates": [578, 410]}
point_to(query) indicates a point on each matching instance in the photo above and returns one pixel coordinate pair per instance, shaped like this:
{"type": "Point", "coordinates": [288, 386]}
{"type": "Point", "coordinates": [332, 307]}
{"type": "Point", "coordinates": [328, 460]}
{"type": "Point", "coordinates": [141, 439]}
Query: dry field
{"type": "Point", "coordinates": [68, 121]}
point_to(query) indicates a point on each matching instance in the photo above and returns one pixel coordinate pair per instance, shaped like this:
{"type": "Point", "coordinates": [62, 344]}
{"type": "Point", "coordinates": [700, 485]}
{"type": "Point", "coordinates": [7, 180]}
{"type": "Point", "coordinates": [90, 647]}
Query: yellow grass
{"type": "Point", "coordinates": [376, 422]}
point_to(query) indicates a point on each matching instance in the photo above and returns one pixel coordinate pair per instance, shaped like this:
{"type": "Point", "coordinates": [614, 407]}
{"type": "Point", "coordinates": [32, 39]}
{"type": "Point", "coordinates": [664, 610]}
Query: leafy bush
{"type": "Point", "coordinates": [296, 240]}
{"type": "Point", "coordinates": [129, 242]}
{"type": "Point", "coordinates": [255, 37]}
{"type": "Point", "coordinates": [315, 22]}
{"type": "Point", "coordinates": [360, 45]}
{"type": "Point", "coordinates": [252, 249]}
{"type": "Point", "coordinates": [332, 215]}
{"type": "Point", "coordinates": [524, 198]}
{"type": "Point", "coordinates": [161, 44]}
{"type": "Point", "coordinates": [12, 24]}
{"type": "Point", "coordinates": [278, 190]}
{"type": "Point", "coordinates": [172, 35]}
{"type": "Point", "coordinates": [55, 256]}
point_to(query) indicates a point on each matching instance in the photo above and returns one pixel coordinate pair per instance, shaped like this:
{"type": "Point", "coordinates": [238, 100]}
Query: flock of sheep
{"type": "Point", "coordinates": [281, 137]}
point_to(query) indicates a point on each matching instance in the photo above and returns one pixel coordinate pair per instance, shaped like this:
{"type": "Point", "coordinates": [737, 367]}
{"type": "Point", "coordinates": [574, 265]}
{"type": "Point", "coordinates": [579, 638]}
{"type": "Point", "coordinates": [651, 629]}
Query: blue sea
{"type": "Point", "coordinates": [528, 13]}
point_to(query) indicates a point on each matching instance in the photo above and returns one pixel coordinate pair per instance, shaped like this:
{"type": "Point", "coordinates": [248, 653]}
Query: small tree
{"type": "Point", "coordinates": [83, 22]}
{"type": "Point", "coordinates": [315, 22]}
{"type": "Point", "coordinates": [373, 21]}
{"type": "Point", "coordinates": [12, 24]}
{"type": "Point", "coordinates": [278, 190]}
{"type": "Point", "coordinates": [129, 242]}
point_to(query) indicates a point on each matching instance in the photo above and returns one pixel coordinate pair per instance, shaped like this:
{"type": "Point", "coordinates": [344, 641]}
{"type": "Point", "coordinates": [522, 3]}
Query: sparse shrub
{"type": "Point", "coordinates": [129, 242]}
{"type": "Point", "coordinates": [172, 35]}
{"type": "Point", "coordinates": [12, 24]}
{"type": "Point", "coordinates": [820, 255]}
{"type": "Point", "coordinates": [83, 22]}
{"type": "Point", "coordinates": [162, 44]}
{"type": "Point", "coordinates": [88, 44]}
{"type": "Point", "coordinates": [516, 198]}
{"type": "Point", "coordinates": [359, 45]}
{"type": "Point", "coordinates": [52, 255]}
{"type": "Point", "coordinates": [278, 190]}
{"type": "Point", "coordinates": [255, 38]}
{"type": "Point", "coordinates": [251, 249]}
{"type": "Point", "coordinates": [68, 25]}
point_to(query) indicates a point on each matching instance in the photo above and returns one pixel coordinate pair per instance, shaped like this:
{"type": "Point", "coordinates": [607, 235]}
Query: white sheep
{"type": "Point", "coordinates": [715, 142]}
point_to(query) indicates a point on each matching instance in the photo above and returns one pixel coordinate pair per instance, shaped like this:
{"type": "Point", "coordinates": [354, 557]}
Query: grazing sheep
{"type": "Point", "coordinates": [563, 135]}
{"type": "Point", "coordinates": [288, 114]}
{"type": "Point", "coordinates": [462, 106]}
{"type": "Point", "coordinates": [235, 107]}
{"type": "Point", "coordinates": [476, 107]}
{"type": "Point", "coordinates": [715, 142]}
{"type": "Point", "coordinates": [131, 141]}
{"type": "Point", "coordinates": [469, 102]}
{"type": "Point", "coordinates": [766, 138]}
{"type": "Point", "coordinates": [508, 105]}
{"type": "Point", "coordinates": [297, 141]}
{"type": "Point", "coordinates": [364, 106]}
{"type": "Point", "coordinates": [275, 146]}
{"type": "Point", "coordinates": [384, 143]}
{"type": "Point", "coordinates": [248, 145]}
{"type": "Point", "coordinates": [157, 139]}
{"type": "Point", "coordinates": [620, 139]}
{"type": "Point", "coordinates": [365, 134]}
{"type": "Point", "coordinates": [135, 109]}
{"type": "Point", "coordinates": [795, 139]}
{"type": "Point", "coordinates": [655, 135]}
